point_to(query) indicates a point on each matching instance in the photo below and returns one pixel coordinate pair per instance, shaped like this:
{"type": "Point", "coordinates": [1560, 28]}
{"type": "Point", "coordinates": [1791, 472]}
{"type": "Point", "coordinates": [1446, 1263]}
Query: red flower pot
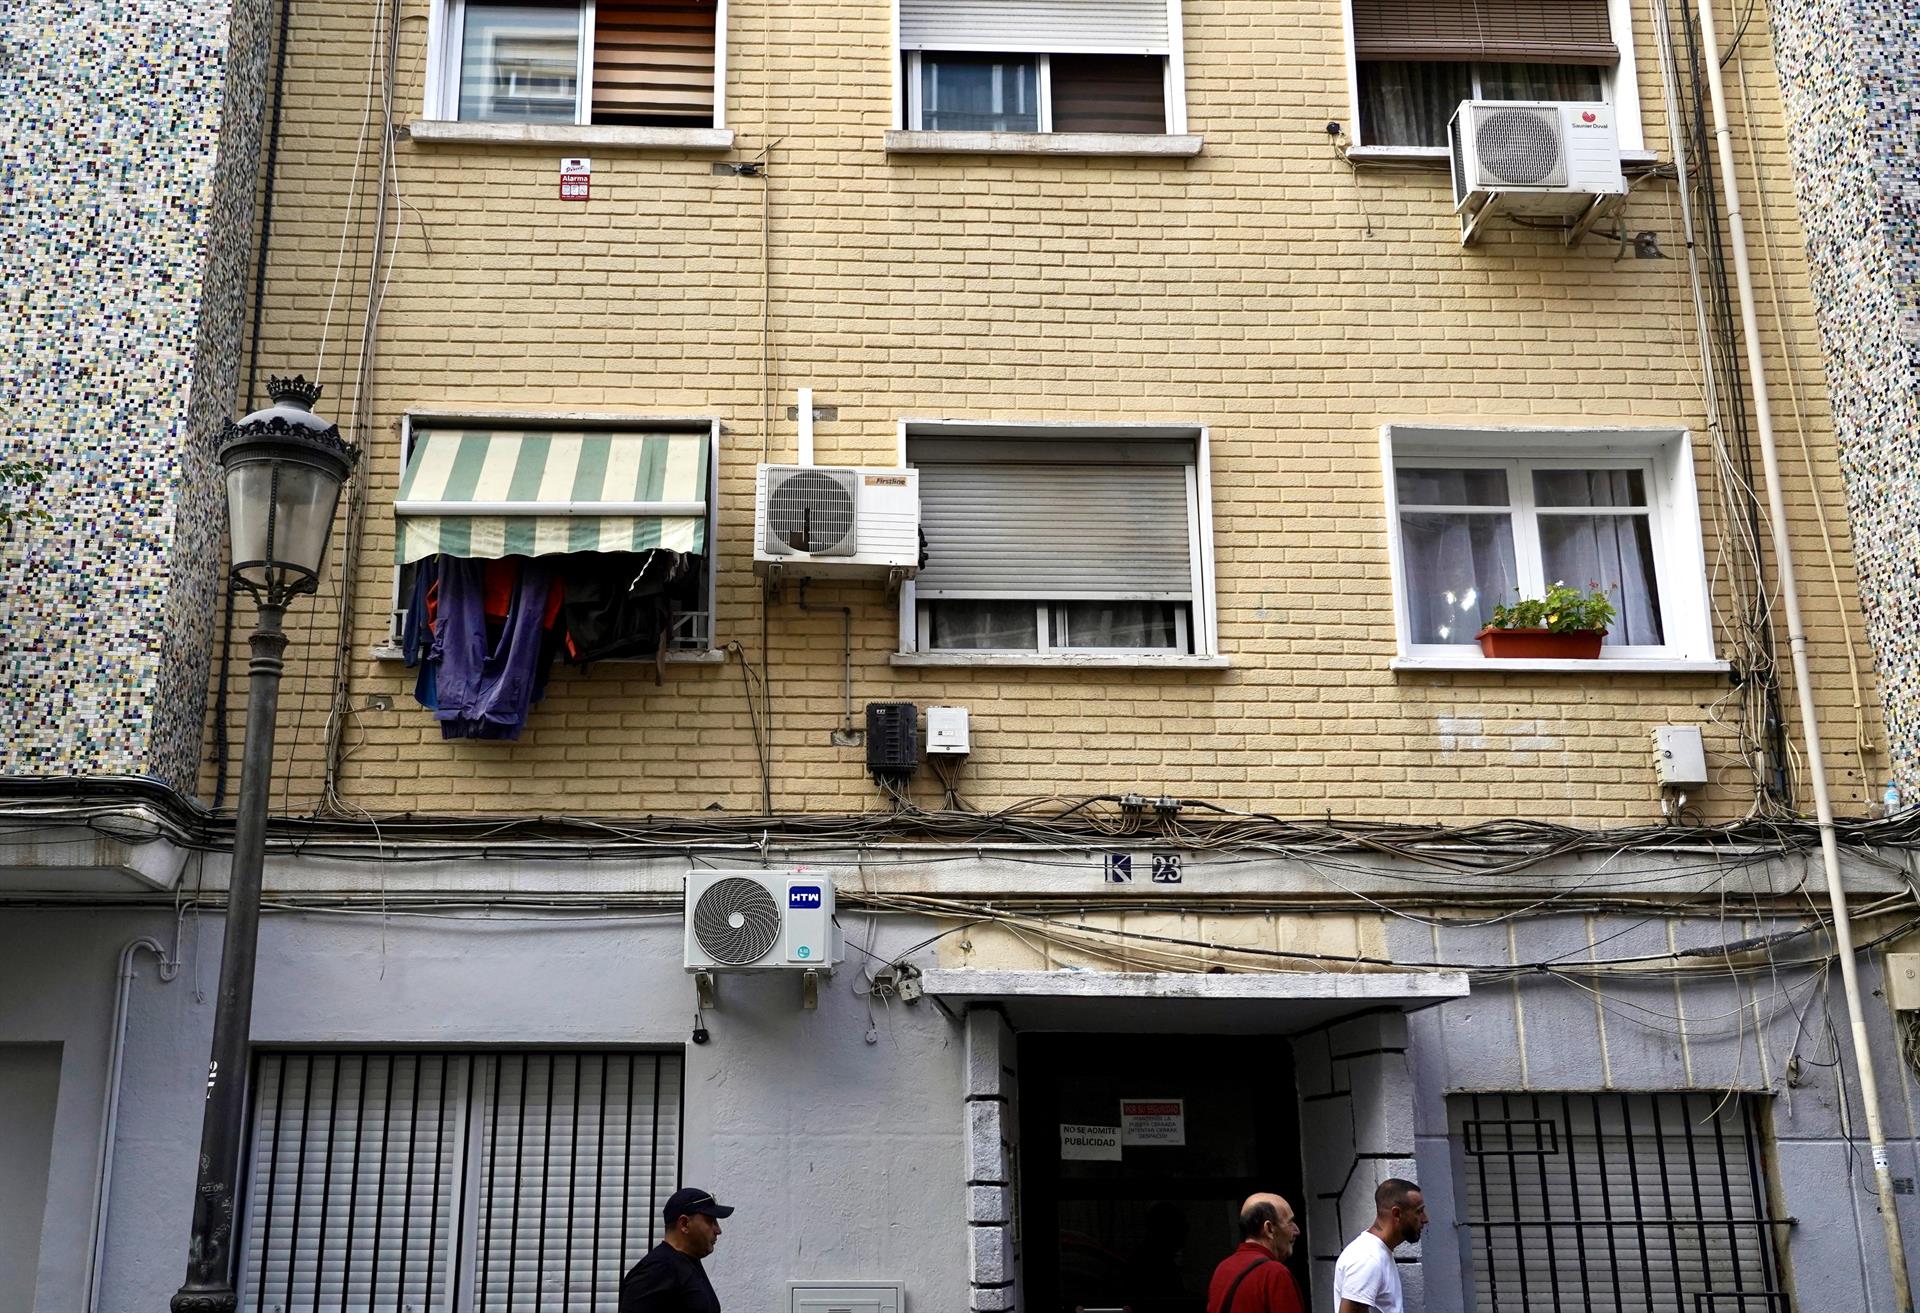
{"type": "Point", "coordinates": [1573, 645]}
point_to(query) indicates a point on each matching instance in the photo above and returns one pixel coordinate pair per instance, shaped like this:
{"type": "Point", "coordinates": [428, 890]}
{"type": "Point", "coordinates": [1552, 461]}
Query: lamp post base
{"type": "Point", "coordinates": [221, 1300]}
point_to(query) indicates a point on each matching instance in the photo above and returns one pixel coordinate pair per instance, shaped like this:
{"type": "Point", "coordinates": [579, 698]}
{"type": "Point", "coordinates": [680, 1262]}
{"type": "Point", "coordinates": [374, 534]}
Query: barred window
{"type": "Point", "coordinates": [434, 1181]}
{"type": "Point", "coordinates": [1617, 1202]}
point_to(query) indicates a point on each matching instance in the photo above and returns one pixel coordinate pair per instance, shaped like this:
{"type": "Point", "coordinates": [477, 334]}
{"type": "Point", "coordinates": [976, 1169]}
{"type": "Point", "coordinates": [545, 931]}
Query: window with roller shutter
{"type": "Point", "coordinates": [1067, 540]}
{"type": "Point", "coordinates": [1041, 66]}
{"type": "Point", "coordinates": [1618, 1202]}
{"type": "Point", "coordinates": [443, 1181]}
{"type": "Point", "coordinates": [631, 63]}
{"type": "Point", "coordinates": [1414, 61]}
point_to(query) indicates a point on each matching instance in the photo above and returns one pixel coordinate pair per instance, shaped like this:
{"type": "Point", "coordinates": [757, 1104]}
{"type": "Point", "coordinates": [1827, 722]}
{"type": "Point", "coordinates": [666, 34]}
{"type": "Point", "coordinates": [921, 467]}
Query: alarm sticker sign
{"type": "Point", "coordinates": [576, 179]}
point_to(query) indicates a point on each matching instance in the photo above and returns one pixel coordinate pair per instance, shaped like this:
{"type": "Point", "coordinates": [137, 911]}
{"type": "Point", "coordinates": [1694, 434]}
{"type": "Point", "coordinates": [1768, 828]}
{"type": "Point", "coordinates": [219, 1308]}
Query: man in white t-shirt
{"type": "Point", "coordinates": [1366, 1279]}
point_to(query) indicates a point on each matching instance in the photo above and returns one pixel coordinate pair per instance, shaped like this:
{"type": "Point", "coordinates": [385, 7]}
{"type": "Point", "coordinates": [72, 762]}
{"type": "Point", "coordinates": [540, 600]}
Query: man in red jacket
{"type": "Point", "coordinates": [1254, 1277]}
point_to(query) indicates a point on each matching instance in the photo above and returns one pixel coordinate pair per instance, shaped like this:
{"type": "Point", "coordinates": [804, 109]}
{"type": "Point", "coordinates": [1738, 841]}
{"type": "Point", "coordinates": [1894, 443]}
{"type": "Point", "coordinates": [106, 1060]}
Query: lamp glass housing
{"type": "Point", "coordinates": [280, 509]}
{"type": "Point", "coordinates": [285, 467]}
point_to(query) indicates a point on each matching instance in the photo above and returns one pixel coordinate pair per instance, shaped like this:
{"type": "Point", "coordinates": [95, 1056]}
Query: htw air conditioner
{"type": "Point", "coordinates": [824, 521]}
{"type": "Point", "coordinates": [1533, 158]}
{"type": "Point", "coordinates": [760, 921]}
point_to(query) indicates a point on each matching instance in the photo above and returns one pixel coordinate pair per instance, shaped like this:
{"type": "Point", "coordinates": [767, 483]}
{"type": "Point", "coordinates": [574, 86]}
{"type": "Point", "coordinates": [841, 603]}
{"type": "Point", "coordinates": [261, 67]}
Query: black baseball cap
{"type": "Point", "coordinates": [690, 1200]}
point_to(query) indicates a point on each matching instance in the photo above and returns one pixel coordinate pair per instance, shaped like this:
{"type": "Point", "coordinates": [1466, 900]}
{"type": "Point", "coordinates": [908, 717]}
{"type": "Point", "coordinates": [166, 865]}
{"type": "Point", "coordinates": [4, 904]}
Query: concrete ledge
{"type": "Point", "coordinates": [712, 656]}
{"type": "Point", "coordinates": [1275, 1002]}
{"type": "Point", "coordinates": [1438, 157]}
{"type": "Point", "coordinates": [1537, 665]}
{"type": "Point", "coordinates": [1060, 660]}
{"type": "Point", "coordinates": [1140, 144]}
{"type": "Point", "coordinates": [447, 132]}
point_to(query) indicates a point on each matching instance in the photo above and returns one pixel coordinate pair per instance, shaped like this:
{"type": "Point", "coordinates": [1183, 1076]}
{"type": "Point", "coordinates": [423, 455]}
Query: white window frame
{"type": "Point", "coordinates": [1171, 124]}
{"type": "Point", "coordinates": [1664, 455]}
{"type": "Point", "coordinates": [389, 649]}
{"type": "Point", "coordinates": [1619, 88]}
{"type": "Point", "coordinates": [907, 94]}
{"type": "Point", "coordinates": [1202, 623]}
{"type": "Point", "coordinates": [446, 34]}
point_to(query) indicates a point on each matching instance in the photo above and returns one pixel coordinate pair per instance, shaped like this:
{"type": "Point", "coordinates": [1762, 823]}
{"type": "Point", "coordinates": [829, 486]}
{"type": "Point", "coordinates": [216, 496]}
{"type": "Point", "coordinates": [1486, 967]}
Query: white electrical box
{"type": "Point", "coordinates": [1903, 982]}
{"type": "Point", "coordinates": [947, 732]}
{"type": "Point", "coordinates": [1679, 758]}
{"type": "Point", "coordinates": [846, 1297]}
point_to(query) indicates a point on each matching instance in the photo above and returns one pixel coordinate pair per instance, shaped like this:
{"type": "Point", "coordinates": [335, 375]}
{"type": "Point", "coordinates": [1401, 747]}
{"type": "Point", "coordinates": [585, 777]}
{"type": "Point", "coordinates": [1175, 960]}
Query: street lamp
{"type": "Point", "coordinates": [284, 467]}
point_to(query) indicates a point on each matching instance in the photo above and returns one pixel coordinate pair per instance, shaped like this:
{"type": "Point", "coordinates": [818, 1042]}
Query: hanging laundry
{"type": "Point", "coordinates": [624, 604]}
{"type": "Point", "coordinates": [416, 631]}
{"type": "Point", "coordinates": [491, 668]}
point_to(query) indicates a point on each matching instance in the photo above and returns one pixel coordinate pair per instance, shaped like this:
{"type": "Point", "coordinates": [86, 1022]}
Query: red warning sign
{"type": "Point", "coordinates": [576, 179]}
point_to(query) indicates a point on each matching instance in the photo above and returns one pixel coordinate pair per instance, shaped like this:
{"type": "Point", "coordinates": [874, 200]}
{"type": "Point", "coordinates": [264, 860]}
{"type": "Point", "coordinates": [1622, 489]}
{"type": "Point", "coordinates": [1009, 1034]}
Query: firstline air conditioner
{"type": "Point", "coordinates": [760, 920]}
{"type": "Point", "coordinates": [1532, 158]}
{"type": "Point", "coordinates": [837, 522]}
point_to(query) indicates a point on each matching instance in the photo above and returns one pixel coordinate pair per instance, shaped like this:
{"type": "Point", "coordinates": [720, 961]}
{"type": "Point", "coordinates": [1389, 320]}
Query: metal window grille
{"type": "Point", "coordinates": [416, 1183]}
{"type": "Point", "coordinates": [1618, 1203]}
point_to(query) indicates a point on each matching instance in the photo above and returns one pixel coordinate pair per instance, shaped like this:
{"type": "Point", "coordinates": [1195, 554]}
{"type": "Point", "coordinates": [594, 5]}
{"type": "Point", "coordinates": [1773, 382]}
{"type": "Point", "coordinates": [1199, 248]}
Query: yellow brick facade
{"type": "Point", "coordinates": [1265, 289]}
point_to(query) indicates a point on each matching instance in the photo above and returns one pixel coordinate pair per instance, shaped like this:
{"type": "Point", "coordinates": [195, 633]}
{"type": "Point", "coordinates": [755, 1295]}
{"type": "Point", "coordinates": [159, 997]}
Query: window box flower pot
{"type": "Point", "coordinates": [1545, 644]}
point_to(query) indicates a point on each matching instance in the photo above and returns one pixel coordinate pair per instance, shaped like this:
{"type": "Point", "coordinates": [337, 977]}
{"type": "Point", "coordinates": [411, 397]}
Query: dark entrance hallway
{"type": "Point", "coordinates": [1131, 1212]}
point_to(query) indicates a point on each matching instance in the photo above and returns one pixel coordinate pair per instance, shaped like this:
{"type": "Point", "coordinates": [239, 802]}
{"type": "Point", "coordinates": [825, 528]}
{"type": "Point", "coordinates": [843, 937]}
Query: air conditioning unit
{"type": "Point", "coordinates": [1533, 158]}
{"type": "Point", "coordinates": [824, 521]}
{"type": "Point", "coordinates": [760, 921]}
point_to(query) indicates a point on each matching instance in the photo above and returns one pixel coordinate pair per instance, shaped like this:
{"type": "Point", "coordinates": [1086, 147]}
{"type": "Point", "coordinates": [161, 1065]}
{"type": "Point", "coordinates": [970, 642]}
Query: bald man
{"type": "Point", "coordinates": [1254, 1277]}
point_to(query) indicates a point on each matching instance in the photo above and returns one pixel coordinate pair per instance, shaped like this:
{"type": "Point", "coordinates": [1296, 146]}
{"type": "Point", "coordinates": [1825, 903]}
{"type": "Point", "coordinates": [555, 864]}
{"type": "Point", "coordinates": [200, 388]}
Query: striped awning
{"type": "Point", "coordinates": [490, 494]}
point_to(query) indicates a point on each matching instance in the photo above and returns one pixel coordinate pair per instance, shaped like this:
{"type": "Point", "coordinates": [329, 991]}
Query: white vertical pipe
{"type": "Point", "coordinates": [805, 411]}
{"type": "Point", "coordinates": [110, 1112]}
{"type": "Point", "coordinates": [1802, 678]}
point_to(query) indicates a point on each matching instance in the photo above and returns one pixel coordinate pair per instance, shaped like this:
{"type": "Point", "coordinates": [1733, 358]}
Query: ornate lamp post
{"type": "Point", "coordinates": [285, 467]}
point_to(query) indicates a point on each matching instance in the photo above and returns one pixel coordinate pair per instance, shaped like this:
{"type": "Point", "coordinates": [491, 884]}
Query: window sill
{"type": "Point", "coordinates": [447, 132]}
{"type": "Point", "coordinates": [1043, 143]}
{"type": "Point", "coordinates": [1543, 666]}
{"type": "Point", "coordinates": [1438, 157]}
{"type": "Point", "coordinates": [712, 656]}
{"type": "Point", "coordinates": [1059, 660]}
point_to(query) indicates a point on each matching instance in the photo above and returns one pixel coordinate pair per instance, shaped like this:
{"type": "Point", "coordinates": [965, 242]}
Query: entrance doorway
{"type": "Point", "coordinates": [1131, 1212]}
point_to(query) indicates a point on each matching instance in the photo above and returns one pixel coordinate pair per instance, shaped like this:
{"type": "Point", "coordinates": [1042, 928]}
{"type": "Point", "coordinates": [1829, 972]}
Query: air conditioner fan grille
{"type": "Point", "coordinates": [1518, 145]}
{"type": "Point", "coordinates": [810, 511]}
{"type": "Point", "coordinates": [736, 921]}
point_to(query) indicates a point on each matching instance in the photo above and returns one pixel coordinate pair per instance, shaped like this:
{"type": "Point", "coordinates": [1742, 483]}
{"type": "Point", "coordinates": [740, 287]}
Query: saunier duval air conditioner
{"type": "Point", "coordinates": [1532, 158]}
{"type": "Point", "coordinates": [836, 522]}
{"type": "Point", "coordinates": [760, 921]}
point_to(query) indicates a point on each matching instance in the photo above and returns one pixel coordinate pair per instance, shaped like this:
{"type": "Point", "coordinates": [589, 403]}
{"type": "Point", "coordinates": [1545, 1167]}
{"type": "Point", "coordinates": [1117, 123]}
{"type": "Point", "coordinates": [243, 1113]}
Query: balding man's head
{"type": "Point", "coordinates": [1267, 1220]}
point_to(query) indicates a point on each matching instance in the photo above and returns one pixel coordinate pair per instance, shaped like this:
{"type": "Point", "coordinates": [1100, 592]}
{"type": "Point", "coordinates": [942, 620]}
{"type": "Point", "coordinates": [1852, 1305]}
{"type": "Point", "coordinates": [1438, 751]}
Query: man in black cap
{"type": "Point", "coordinates": [670, 1279]}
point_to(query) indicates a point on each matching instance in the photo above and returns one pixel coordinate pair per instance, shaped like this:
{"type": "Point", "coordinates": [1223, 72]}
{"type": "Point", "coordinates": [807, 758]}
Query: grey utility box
{"type": "Point", "coordinates": [846, 1297]}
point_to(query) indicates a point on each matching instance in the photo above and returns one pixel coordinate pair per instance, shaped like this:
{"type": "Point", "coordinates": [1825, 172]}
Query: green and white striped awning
{"type": "Point", "coordinates": [490, 494]}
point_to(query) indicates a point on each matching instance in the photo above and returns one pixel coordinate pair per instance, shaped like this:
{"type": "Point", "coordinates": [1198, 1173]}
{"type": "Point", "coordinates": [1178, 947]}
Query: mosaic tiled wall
{"type": "Point", "coordinates": [1848, 67]}
{"type": "Point", "coordinates": [129, 131]}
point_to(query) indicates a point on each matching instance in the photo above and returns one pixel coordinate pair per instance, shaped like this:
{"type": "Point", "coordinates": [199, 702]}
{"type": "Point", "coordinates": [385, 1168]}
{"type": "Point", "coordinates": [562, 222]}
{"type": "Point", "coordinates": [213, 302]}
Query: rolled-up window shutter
{"type": "Point", "coordinates": [1119, 27]}
{"type": "Point", "coordinates": [653, 59]}
{"type": "Point", "coordinates": [1056, 531]}
{"type": "Point", "coordinates": [1508, 31]}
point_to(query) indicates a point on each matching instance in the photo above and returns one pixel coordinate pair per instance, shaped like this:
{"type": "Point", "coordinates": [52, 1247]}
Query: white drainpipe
{"type": "Point", "coordinates": [110, 1114]}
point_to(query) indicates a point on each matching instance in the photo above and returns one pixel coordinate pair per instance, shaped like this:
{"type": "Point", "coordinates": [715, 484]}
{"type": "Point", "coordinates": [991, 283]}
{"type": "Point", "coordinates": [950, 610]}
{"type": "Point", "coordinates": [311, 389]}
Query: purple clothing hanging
{"type": "Point", "coordinates": [486, 689]}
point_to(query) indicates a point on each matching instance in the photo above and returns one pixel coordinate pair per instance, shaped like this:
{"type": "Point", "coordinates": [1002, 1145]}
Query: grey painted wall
{"type": "Point", "coordinates": [1538, 1032]}
{"type": "Point", "coordinates": [847, 1157]}
{"type": "Point", "coordinates": [843, 1156]}
{"type": "Point", "coordinates": [29, 1095]}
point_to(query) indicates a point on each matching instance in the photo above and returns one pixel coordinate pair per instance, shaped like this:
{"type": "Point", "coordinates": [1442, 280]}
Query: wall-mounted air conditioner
{"type": "Point", "coordinates": [1532, 158]}
{"type": "Point", "coordinates": [760, 921]}
{"type": "Point", "coordinates": [826, 521]}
